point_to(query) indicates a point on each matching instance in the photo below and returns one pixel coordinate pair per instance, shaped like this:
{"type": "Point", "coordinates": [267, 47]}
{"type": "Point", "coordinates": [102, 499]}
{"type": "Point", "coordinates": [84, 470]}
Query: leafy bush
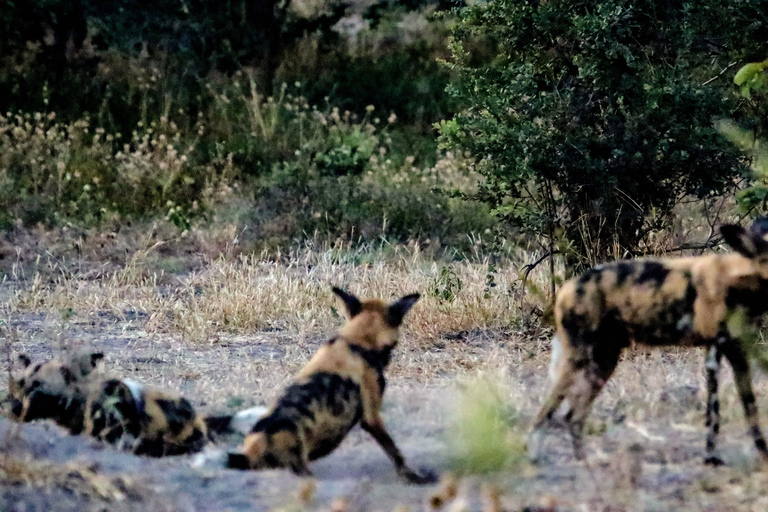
{"type": "Point", "coordinates": [596, 118]}
{"type": "Point", "coordinates": [382, 197]}
{"type": "Point", "coordinates": [307, 170]}
{"type": "Point", "coordinates": [752, 79]}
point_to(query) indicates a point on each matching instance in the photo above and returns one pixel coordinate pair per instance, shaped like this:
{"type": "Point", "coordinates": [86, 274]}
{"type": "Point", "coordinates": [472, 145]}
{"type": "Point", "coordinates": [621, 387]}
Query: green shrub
{"type": "Point", "coordinates": [596, 118]}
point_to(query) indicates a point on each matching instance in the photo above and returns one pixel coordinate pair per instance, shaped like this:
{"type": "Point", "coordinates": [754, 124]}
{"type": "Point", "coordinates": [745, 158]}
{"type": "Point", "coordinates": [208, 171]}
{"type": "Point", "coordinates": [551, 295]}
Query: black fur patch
{"type": "Point", "coordinates": [653, 272]}
{"type": "Point", "coordinates": [67, 375]}
{"type": "Point", "coordinates": [623, 271]}
{"type": "Point", "coordinates": [593, 274]}
{"type": "Point", "coordinates": [218, 424]}
{"type": "Point", "coordinates": [376, 359]}
{"type": "Point", "coordinates": [754, 300]}
{"type": "Point", "coordinates": [238, 461]}
{"type": "Point", "coordinates": [327, 390]}
{"type": "Point", "coordinates": [178, 413]}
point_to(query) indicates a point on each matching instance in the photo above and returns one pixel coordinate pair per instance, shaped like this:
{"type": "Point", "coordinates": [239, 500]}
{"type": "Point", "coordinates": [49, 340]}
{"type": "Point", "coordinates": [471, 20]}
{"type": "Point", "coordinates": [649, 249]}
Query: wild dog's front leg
{"type": "Point", "coordinates": [379, 433]}
{"type": "Point", "coordinates": [712, 366]}
{"type": "Point", "coordinates": [734, 352]}
{"type": "Point", "coordinates": [373, 424]}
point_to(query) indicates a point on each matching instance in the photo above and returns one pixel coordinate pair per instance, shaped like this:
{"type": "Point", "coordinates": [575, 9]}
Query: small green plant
{"type": "Point", "coordinates": [485, 435]}
{"type": "Point", "coordinates": [446, 285]}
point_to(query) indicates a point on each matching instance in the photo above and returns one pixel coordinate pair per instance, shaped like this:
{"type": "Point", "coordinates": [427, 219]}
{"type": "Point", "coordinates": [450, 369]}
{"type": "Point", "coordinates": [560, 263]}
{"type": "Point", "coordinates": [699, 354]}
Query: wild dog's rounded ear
{"type": "Point", "coordinates": [95, 358]}
{"type": "Point", "coordinates": [25, 360]}
{"type": "Point", "coordinates": [84, 363]}
{"type": "Point", "coordinates": [352, 303]}
{"type": "Point", "coordinates": [397, 311]}
{"type": "Point", "coordinates": [749, 244]}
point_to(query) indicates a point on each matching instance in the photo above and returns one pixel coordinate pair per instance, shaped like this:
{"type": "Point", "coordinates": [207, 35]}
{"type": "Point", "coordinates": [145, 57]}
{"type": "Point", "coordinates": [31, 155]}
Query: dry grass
{"type": "Point", "coordinates": [286, 291]}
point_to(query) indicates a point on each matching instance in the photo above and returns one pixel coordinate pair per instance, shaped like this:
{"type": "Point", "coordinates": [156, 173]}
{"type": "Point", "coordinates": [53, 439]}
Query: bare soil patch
{"type": "Point", "coordinates": [646, 448]}
{"type": "Point", "coordinates": [229, 334]}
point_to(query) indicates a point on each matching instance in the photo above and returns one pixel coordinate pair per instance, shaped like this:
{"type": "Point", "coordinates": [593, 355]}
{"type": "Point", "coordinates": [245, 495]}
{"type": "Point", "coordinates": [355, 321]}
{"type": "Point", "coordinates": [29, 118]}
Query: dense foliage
{"type": "Point", "coordinates": [292, 118]}
{"type": "Point", "coordinates": [596, 118]}
{"type": "Point", "coordinates": [123, 61]}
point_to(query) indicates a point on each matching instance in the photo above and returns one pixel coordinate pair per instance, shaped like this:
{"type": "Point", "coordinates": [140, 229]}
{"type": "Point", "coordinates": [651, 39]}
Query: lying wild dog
{"type": "Point", "coordinates": [693, 301]}
{"type": "Point", "coordinates": [121, 412]}
{"type": "Point", "coordinates": [341, 385]}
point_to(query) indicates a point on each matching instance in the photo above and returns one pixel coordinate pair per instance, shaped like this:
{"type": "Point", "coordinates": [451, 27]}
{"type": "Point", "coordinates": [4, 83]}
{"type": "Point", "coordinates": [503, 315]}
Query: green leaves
{"type": "Point", "coordinates": [591, 119]}
{"type": "Point", "coordinates": [751, 77]}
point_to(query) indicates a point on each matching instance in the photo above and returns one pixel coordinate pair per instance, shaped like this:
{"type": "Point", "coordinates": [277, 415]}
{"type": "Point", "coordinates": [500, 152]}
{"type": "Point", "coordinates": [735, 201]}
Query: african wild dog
{"type": "Point", "coordinates": [690, 301]}
{"type": "Point", "coordinates": [340, 386]}
{"type": "Point", "coordinates": [121, 412]}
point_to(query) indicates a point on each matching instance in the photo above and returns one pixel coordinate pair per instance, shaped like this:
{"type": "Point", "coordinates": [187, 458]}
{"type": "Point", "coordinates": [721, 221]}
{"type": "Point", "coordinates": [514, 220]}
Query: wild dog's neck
{"type": "Point", "coordinates": [378, 359]}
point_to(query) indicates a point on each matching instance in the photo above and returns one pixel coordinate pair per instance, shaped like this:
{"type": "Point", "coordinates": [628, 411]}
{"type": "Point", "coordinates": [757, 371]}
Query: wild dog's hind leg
{"type": "Point", "coordinates": [592, 377]}
{"type": "Point", "coordinates": [566, 372]}
{"type": "Point", "coordinates": [712, 366]}
{"type": "Point", "coordinates": [733, 351]}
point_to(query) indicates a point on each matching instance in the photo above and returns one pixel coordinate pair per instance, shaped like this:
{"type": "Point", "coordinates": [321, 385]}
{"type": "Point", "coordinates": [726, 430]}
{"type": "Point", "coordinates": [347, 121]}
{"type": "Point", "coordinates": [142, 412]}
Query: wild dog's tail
{"type": "Point", "coordinates": [556, 363]}
{"type": "Point", "coordinates": [240, 423]}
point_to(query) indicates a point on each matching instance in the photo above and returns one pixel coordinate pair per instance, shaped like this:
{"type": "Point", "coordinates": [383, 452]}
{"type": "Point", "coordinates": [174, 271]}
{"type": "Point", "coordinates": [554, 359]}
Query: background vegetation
{"type": "Point", "coordinates": [581, 126]}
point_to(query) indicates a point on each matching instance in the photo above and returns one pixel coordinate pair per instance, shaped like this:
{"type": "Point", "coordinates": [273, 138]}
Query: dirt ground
{"type": "Point", "coordinates": [646, 442]}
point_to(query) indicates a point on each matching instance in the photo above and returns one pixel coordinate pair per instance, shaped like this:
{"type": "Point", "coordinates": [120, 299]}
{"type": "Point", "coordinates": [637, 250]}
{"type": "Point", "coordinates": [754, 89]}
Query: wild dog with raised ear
{"type": "Point", "coordinates": [122, 412]}
{"type": "Point", "coordinates": [342, 385]}
{"type": "Point", "coordinates": [688, 301]}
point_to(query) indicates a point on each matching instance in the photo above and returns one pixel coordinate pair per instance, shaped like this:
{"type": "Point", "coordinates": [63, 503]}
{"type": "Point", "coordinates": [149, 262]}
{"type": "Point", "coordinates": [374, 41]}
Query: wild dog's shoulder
{"type": "Point", "coordinates": [334, 356]}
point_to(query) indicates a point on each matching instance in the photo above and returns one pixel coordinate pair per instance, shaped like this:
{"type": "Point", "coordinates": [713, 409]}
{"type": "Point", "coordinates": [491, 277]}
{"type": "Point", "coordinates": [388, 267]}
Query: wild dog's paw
{"type": "Point", "coordinates": [533, 445]}
{"type": "Point", "coordinates": [210, 458]}
{"type": "Point", "coordinates": [237, 461]}
{"type": "Point", "coordinates": [422, 477]}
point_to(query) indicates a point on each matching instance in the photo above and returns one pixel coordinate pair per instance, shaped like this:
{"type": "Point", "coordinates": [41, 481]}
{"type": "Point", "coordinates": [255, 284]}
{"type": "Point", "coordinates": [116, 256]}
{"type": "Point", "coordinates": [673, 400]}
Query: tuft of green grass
{"type": "Point", "coordinates": [486, 433]}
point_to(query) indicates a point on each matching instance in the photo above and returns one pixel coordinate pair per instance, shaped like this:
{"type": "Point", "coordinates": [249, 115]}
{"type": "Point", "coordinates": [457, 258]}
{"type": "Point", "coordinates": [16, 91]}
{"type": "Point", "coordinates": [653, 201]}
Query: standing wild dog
{"type": "Point", "coordinates": [341, 385]}
{"type": "Point", "coordinates": [122, 412]}
{"type": "Point", "coordinates": [694, 301]}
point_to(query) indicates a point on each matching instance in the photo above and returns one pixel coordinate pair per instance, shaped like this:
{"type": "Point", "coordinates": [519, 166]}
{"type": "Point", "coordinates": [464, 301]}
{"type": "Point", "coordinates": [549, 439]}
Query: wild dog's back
{"type": "Point", "coordinates": [313, 415]}
{"type": "Point", "coordinates": [650, 301]}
